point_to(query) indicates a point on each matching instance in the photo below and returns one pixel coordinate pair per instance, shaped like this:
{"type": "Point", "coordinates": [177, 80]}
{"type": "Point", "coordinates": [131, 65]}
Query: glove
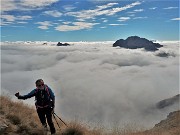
{"type": "Point", "coordinates": [17, 94]}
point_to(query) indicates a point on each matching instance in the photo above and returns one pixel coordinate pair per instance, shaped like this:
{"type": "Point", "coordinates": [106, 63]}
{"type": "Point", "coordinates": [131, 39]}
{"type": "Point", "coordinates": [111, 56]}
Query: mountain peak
{"type": "Point", "coordinates": [135, 42]}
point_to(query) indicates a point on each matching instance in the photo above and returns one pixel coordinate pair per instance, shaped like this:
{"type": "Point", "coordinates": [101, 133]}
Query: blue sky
{"type": "Point", "coordinates": [88, 20]}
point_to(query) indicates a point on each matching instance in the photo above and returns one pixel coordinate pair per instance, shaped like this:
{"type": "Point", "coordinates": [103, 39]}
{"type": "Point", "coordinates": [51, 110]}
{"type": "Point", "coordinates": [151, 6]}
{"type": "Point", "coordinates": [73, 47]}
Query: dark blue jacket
{"type": "Point", "coordinates": [47, 100]}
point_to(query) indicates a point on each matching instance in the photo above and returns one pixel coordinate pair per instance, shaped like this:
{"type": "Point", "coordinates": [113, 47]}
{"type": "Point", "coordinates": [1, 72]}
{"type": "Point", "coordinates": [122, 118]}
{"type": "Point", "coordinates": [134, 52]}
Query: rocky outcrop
{"type": "Point", "coordinates": [135, 42]}
{"type": "Point", "coordinates": [165, 54]}
{"type": "Point", "coordinates": [44, 44]}
{"type": "Point", "coordinates": [170, 125]}
{"type": "Point", "coordinates": [171, 121]}
{"type": "Point", "coordinates": [61, 44]}
{"type": "Point", "coordinates": [168, 102]}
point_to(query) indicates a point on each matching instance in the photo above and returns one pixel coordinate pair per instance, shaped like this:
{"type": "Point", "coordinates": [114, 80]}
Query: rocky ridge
{"type": "Point", "coordinates": [135, 42]}
{"type": "Point", "coordinates": [170, 126]}
{"type": "Point", "coordinates": [168, 102]}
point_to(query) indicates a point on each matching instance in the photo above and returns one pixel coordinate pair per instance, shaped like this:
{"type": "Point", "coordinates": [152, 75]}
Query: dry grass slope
{"type": "Point", "coordinates": [17, 118]}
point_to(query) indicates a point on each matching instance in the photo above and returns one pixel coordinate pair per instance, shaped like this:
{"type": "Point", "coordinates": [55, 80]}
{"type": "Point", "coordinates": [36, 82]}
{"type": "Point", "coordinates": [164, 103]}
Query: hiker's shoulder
{"type": "Point", "coordinates": [49, 90]}
{"type": "Point", "coordinates": [47, 86]}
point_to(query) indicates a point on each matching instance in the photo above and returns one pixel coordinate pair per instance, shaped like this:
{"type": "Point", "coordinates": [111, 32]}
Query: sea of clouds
{"type": "Point", "coordinates": [94, 82]}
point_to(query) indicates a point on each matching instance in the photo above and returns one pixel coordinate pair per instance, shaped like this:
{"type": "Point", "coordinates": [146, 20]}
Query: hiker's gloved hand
{"type": "Point", "coordinates": [17, 94]}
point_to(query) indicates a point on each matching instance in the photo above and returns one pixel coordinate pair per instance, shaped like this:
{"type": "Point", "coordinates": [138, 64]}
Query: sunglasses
{"type": "Point", "coordinates": [40, 85]}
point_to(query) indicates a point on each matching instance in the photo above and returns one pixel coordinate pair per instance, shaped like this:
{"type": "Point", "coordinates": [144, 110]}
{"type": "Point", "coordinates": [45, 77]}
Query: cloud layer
{"type": "Point", "coordinates": [95, 82]}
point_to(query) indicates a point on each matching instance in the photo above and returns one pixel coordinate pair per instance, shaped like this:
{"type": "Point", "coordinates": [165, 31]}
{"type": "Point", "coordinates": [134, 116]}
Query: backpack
{"type": "Point", "coordinates": [42, 98]}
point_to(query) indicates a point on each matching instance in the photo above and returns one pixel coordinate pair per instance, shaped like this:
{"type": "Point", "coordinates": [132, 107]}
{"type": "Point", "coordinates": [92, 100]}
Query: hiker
{"type": "Point", "coordinates": [45, 103]}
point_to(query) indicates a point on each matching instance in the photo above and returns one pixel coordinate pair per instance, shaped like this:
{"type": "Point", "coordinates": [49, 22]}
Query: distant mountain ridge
{"type": "Point", "coordinates": [168, 102]}
{"type": "Point", "coordinates": [61, 44]}
{"type": "Point", "coordinates": [135, 42]}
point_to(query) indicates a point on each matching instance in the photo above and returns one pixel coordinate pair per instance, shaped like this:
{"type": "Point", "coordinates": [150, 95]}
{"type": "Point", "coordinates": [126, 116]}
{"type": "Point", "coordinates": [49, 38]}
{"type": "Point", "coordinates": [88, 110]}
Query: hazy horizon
{"type": "Point", "coordinates": [111, 41]}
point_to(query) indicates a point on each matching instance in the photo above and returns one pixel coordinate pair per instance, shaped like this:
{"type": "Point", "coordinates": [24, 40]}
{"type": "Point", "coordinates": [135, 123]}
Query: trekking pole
{"type": "Point", "coordinates": [56, 121]}
{"type": "Point", "coordinates": [60, 119]}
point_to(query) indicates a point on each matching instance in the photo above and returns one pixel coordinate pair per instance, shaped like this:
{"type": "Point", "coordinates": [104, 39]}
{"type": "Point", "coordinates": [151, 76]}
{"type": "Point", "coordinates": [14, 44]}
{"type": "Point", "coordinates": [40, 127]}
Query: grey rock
{"type": "Point", "coordinates": [168, 102]}
{"type": "Point", "coordinates": [135, 42]}
{"type": "Point", "coordinates": [61, 44]}
{"type": "Point", "coordinates": [165, 54]}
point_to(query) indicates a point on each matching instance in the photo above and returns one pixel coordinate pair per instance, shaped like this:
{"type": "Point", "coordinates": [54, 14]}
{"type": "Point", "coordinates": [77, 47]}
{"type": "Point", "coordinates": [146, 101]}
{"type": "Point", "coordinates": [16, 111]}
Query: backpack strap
{"type": "Point", "coordinates": [37, 106]}
{"type": "Point", "coordinates": [47, 90]}
{"type": "Point", "coordinates": [36, 90]}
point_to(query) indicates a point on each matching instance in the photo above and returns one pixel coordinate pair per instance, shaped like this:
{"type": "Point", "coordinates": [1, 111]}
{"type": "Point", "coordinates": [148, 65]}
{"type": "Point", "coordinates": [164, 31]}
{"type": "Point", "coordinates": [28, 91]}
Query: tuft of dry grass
{"type": "Point", "coordinates": [72, 131]}
{"type": "Point", "coordinates": [77, 128]}
{"type": "Point", "coordinates": [14, 119]}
